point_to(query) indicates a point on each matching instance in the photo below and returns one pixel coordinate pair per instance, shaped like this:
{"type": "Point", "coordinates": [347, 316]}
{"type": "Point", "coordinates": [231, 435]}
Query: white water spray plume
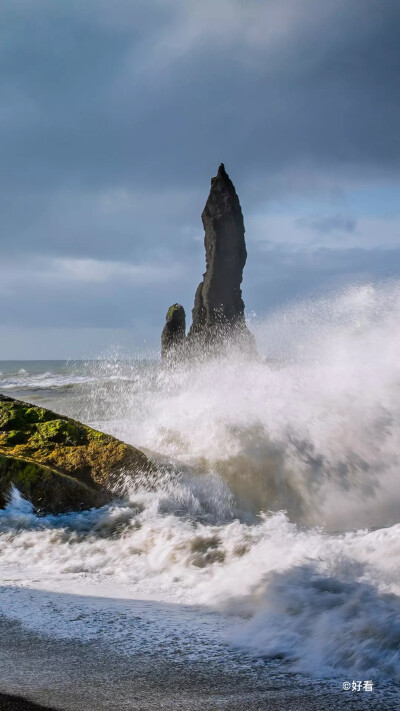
{"type": "Point", "coordinates": [279, 506]}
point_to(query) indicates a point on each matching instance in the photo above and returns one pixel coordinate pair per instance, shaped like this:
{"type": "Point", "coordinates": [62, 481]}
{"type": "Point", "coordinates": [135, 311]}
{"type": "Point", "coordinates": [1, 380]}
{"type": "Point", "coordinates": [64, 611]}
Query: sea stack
{"type": "Point", "coordinates": [174, 331]}
{"type": "Point", "coordinates": [218, 307]}
{"type": "Point", "coordinates": [218, 313]}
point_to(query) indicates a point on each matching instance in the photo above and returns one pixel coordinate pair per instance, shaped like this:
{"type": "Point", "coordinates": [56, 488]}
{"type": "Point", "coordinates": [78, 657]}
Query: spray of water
{"type": "Point", "coordinates": [277, 462]}
{"type": "Point", "coordinates": [311, 427]}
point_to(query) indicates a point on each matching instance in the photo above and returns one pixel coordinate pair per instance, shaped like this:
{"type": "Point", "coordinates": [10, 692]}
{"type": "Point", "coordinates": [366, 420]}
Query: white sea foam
{"type": "Point", "coordinates": [313, 429]}
{"type": "Point", "coordinates": [326, 602]}
{"type": "Point", "coordinates": [41, 381]}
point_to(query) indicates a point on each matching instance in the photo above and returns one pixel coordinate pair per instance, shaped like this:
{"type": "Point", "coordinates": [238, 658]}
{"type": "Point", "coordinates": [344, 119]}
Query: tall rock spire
{"type": "Point", "coordinates": [218, 313]}
{"type": "Point", "coordinates": [218, 306]}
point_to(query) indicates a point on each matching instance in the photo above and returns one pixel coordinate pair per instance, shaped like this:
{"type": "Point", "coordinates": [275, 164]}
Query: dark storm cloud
{"type": "Point", "coordinates": [115, 115]}
{"type": "Point", "coordinates": [91, 103]}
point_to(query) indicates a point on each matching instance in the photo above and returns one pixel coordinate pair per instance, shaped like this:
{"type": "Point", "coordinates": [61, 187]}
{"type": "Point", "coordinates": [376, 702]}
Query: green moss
{"type": "Point", "coordinates": [14, 416]}
{"type": "Point", "coordinates": [60, 432]}
{"type": "Point", "coordinates": [38, 441]}
{"type": "Point", "coordinates": [25, 475]}
{"type": "Point", "coordinates": [47, 489]}
{"type": "Point", "coordinates": [171, 310]}
{"type": "Point", "coordinates": [96, 436]}
{"type": "Point", "coordinates": [15, 437]}
{"type": "Point", "coordinates": [38, 414]}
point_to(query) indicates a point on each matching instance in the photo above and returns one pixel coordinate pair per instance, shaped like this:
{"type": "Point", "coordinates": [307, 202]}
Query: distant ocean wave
{"type": "Point", "coordinates": [23, 379]}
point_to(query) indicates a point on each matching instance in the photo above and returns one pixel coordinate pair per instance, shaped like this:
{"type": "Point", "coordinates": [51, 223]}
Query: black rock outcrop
{"type": "Point", "coordinates": [218, 307]}
{"type": "Point", "coordinates": [218, 313]}
{"type": "Point", "coordinates": [174, 331]}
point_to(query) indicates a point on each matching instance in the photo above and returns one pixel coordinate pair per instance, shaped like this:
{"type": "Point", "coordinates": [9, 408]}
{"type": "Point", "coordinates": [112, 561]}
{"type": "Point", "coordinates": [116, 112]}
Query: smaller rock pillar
{"type": "Point", "coordinates": [174, 331]}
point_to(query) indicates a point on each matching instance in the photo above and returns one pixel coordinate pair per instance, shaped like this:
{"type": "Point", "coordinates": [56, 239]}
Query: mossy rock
{"type": "Point", "coordinates": [59, 463]}
{"type": "Point", "coordinates": [173, 335]}
{"type": "Point", "coordinates": [174, 309]}
{"type": "Point", "coordinates": [46, 488]}
{"type": "Point", "coordinates": [59, 432]}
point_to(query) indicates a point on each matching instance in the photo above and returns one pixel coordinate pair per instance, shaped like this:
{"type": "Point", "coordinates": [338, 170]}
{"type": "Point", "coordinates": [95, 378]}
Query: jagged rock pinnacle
{"type": "Point", "coordinates": [218, 306]}
{"type": "Point", "coordinates": [218, 313]}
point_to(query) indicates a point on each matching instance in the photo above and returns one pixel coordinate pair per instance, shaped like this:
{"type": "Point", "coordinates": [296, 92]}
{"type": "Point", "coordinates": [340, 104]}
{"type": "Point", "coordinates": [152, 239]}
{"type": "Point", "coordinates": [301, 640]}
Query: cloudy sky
{"type": "Point", "coordinates": [115, 115]}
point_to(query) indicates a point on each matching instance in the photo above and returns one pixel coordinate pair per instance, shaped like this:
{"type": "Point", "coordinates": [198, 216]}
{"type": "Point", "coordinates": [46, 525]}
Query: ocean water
{"type": "Point", "coordinates": [269, 556]}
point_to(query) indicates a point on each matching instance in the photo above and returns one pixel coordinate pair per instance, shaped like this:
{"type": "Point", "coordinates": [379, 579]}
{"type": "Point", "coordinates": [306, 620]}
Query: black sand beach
{"type": "Point", "coordinates": [15, 703]}
{"type": "Point", "coordinates": [71, 676]}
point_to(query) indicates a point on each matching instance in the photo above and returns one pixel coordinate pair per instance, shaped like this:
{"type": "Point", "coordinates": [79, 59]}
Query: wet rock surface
{"type": "Point", "coordinates": [218, 308]}
{"type": "Point", "coordinates": [60, 464]}
{"type": "Point", "coordinates": [218, 312]}
{"type": "Point", "coordinates": [218, 301]}
{"type": "Point", "coordinates": [174, 332]}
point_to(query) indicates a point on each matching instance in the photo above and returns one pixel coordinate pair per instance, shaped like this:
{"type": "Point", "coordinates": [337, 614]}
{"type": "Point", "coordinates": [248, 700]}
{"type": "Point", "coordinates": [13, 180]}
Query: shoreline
{"type": "Point", "coordinates": [43, 673]}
